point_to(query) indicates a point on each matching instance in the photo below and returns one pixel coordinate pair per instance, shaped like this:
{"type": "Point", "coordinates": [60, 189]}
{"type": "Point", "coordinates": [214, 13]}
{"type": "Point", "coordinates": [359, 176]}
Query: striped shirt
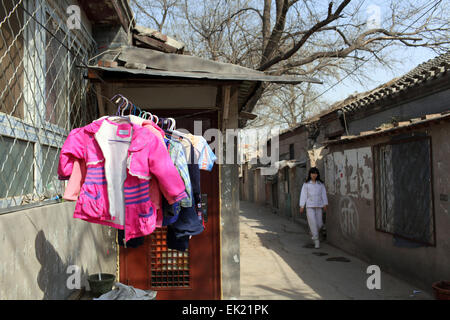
{"type": "Point", "coordinates": [178, 157]}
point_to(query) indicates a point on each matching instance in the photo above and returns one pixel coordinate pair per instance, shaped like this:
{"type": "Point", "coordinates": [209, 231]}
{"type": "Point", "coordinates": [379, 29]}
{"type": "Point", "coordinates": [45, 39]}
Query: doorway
{"type": "Point", "coordinates": [175, 275]}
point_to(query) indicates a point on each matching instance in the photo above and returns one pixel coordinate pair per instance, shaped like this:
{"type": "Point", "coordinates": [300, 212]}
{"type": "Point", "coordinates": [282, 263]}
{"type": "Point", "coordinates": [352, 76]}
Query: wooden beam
{"type": "Point", "coordinates": [123, 18]}
{"type": "Point", "coordinates": [101, 105]}
{"type": "Point", "coordinates": [161, 81]}
{"type": "Point", "coordinates": [247, 115]}
{"type": "Point", "coordinates": [93, 74]}
{"type": "Point", "coordinates": [226, 101]}
{"type": "Point", "coordinates": [226, 90]}
{"type": "Point", "coordinates": [155, 44]}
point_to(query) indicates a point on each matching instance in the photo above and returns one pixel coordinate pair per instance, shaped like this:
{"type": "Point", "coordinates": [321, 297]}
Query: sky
{"type": "Point", "coordinates": [407, 58]}
{"type": "Point", "coordinates": [410, 58]}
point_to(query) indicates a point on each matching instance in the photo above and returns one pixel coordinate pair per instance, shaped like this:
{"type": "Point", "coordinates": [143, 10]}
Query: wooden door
{"type": "Point", "coordinates": [194, 274]}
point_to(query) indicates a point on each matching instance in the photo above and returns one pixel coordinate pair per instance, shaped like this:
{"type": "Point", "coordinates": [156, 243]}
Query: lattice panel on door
{"type": "Point", "coordinates": [169, 268]}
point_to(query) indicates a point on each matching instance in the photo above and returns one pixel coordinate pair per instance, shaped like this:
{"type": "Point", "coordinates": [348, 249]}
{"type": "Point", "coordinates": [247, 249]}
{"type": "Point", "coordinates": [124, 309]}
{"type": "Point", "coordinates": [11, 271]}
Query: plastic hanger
{"type": "Point", "coordinates": [119, 100]}
{"type": "Point", "coordinates": [123, 110]}
{"type": "Point", "coordinates": [172, 124]}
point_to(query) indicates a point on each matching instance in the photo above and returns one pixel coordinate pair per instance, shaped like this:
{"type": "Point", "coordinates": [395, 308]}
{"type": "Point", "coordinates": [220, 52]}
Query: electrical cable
{"type": "Point", "coordinates": [348, 74]}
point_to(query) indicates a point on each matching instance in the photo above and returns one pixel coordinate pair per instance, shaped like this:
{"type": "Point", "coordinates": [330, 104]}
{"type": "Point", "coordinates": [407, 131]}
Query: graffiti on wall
{"type": "Point", "coordinates": [348, 217]}
{"type": "Point", "coordinates": [350, 173]}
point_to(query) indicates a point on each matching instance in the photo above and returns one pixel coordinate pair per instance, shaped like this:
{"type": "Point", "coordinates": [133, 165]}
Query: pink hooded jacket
{"type": "Point", "coordinates": [155, 193]}
{"type": "Point", "coordinates": [146, 157]}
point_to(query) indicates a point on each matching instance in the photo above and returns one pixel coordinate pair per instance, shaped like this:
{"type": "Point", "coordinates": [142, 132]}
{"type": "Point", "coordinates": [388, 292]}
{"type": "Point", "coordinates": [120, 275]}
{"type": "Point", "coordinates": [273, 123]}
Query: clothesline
{"type": "Point", "coordinates": [135, 108]}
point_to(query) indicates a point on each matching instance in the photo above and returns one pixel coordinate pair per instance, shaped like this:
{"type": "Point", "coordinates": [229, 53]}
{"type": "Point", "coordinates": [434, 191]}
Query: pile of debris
{"type": "Point", "coordinates": [145, 38]}
{"type": "Point", "coordinates": [152, 39]}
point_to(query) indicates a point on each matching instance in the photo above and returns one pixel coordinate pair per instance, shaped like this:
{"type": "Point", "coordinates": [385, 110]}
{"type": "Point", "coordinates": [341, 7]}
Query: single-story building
{"type": "Point", "coordinates": [55, 78]}
{"type": "Point", "coordinates": [384, 157]}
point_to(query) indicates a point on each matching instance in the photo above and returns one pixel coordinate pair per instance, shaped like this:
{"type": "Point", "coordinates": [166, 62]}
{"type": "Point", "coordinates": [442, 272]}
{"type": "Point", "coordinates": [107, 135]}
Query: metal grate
{"type": "Point", "coordinates": [404, 205]}
{"type": "Point", "coordinates": [43, 95]}
{"type": "Point", "coordinates": [169, 268]}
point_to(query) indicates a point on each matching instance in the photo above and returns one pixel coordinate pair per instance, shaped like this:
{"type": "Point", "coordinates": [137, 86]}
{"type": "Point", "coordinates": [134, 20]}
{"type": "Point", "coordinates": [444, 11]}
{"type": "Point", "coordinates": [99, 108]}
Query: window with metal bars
{"type": "Point", "coordinates": [291, 152]}
{"type": "Point", "coordinates": [403, 189]}
{"type": "Point", "coordinates": [43, 95]}
{"type": "Point", "coordinates": [169, 268]}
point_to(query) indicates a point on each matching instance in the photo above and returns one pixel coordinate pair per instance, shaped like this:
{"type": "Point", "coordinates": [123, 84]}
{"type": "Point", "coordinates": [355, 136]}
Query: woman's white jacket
{"type": "Point", "coordinates": [313, 195]}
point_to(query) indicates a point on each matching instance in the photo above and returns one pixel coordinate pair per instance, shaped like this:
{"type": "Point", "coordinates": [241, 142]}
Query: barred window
{"type": "Point", "coordinates": [43, 95]}
{"type": "Point", "coordinates": [56, 61]}
{"type": "Point", "coordinates": [403, 189]}
{"type": "Point", "coordinates": [16, 177]}
{"type": "Point", "coordinates": [51, 184]}
{"type": "Point", "coordinates": [11, 59]}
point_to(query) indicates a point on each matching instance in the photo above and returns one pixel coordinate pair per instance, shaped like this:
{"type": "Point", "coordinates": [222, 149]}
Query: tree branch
{"type": "Point", "coordinates": [330, 18]}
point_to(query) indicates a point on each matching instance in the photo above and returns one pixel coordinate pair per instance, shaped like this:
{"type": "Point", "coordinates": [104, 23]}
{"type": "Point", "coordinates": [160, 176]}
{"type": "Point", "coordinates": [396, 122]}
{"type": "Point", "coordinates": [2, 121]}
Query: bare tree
{"type": "Point", "coordinates": [286, 106]}
{"type": "Point", "coordinates": [306, 37]}
{"type": "Point", "coordinates": [158, 11]}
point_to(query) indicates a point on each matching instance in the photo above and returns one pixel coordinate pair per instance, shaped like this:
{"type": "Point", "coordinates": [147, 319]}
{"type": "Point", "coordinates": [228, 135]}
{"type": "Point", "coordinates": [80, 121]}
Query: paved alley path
{"type": "Point", "coordinates": [276, 265]}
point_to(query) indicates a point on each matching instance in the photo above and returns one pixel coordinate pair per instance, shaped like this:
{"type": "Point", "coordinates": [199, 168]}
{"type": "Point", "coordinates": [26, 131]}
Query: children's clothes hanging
{"type": "Point", "coordinates": [76, 181]}
{"type": "Point", "coordinates": [132, 243]}
{"type": "Point", "coordinates": [179, 159]}
{"type": "Point", "coordinates": [189, 222]}
{"type": "Point", "coordinates": [144, 156]}
{"type": "Point", "coordinates": [155, 192]}
{"type": "Point", "coordinates": [205, 155]}
{"type": "Point", "coordinates": [150, 125]}
{"type": "Point", "coordinates": [174, 243]}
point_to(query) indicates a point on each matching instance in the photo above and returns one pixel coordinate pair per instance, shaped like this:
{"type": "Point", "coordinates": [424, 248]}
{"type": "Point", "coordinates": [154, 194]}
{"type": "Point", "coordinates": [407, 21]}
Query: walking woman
{"type": "Point", "coordinates": [314, 197]}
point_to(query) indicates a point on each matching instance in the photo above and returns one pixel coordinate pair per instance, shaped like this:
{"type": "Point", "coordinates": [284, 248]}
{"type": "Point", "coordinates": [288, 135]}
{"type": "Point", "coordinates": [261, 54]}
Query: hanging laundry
{"type": "Point", "coordinates": [120, 159]}
{"type": "Point", "coordinates": [205, 155]}
{"type": "Point", "coordinates": [155, 192]}
{"type": "Point", "coordinates": [190, 220]}
{"type": "Point", "coordinates": [76, 180]}
{"type": "Point", "coordinates": [178, 157]}
{"type": "Point", "coordinates": [132, 243]}
{"type": "Point", "coordinates": [203, 158]}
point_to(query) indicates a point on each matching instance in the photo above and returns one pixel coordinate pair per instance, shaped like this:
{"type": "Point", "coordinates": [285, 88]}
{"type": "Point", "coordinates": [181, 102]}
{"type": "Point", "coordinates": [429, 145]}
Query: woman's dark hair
{"type": "Point", "coordinates": [313, 170]}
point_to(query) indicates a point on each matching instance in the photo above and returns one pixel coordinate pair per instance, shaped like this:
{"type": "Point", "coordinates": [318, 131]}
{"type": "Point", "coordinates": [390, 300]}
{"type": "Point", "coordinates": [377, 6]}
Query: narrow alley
{"type": "Point", "coordinates": [277, 263]}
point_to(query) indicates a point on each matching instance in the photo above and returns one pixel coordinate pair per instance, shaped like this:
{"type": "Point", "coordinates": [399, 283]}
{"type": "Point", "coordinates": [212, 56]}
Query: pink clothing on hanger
{"type": "Point", "coordinates": [75, 182]}
{"type": "Point", "coordinates": [101, 201]}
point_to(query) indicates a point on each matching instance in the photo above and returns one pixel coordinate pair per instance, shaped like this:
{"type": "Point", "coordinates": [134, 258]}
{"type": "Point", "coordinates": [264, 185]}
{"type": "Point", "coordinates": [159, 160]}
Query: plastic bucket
{"type": "Point", "coordinates": [441, 290]}
{"type": "Point", "coordinates": [99, 287]}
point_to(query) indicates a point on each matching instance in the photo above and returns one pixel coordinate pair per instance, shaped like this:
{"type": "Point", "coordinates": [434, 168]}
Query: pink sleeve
{"type": "Point", "coordinates": [76, 180]}
{"type": "Point", "coordinates": [72, 149]}
{"type": "Point", "coordinates": [162, 167]}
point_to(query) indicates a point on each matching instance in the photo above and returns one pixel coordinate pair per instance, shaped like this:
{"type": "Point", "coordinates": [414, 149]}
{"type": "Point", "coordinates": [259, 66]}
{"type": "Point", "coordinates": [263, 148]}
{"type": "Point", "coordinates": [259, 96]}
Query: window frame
{"type": "Point", "coordinates": [376, 187]}
{"type": "Point", "coordinates": [34, 128]}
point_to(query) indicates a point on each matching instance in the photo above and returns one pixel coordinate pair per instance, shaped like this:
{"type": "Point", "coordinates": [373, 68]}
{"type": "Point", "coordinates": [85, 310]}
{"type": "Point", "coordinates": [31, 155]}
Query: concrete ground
{"type": "Point", "coordinates": [276, 265]}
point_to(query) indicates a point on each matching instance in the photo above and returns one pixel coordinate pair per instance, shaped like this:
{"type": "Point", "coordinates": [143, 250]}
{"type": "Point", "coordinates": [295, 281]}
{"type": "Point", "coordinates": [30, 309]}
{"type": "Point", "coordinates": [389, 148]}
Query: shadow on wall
{"type": "Point", "coordinates": [53, 276]}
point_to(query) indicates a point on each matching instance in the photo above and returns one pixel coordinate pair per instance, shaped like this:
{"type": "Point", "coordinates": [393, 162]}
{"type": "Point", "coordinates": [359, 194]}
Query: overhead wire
{"type": "Point", "coordinates": [390, 41]}
{"type": "Point", "coordinates": [98, 75]}
{"type": "Point", "coordinates": [186, 116]}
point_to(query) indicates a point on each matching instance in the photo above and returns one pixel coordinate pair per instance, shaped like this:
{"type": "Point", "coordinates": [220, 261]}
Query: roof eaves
{"type": "Point", "coordinates": [430, 69]}
{"type": "Point", "coordinates": [203, 75]}
{"type": "Point", "coordinates": [390, 128]}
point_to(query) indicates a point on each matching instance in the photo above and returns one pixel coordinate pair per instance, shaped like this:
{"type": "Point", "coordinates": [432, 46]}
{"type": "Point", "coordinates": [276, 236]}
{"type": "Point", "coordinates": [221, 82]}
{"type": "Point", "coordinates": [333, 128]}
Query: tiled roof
{"type": "Point", "coordinates": [394, 127]}
{"type": "Point", "coordinates": [431, 69]}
